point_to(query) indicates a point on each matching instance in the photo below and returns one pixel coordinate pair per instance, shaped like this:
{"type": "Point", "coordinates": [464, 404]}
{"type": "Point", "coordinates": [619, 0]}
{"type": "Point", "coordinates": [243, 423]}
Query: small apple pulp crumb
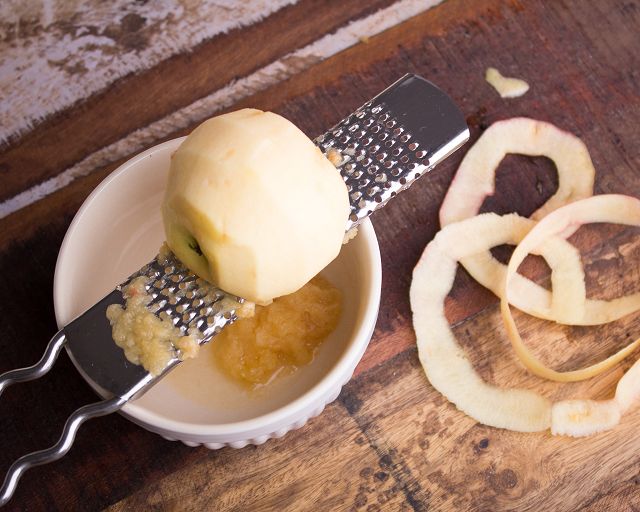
{"type": "Point", "coordinates": [280, 337]}
{"type": "Point", "coordinates": [145, 338]}
{"type": "Point", "coordinates": [350, 235]}
{"type": "Point", "coordinates": [505, 86]}
{"type": "Point", "coordinates": [334, 156]}
{"type": "Point", "coordinates": [164, 254]}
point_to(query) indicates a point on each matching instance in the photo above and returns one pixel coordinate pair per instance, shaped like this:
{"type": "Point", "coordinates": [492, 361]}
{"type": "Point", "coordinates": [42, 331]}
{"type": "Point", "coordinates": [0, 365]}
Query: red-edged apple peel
{"type": "Point", "coordinates": [475, 180]}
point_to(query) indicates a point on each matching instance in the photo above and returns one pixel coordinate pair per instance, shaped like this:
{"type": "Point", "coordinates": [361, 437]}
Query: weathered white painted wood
{"type": "Point", "coordinates": [203, 108]}
{"type": "Point", "coordinates": [54, 53]}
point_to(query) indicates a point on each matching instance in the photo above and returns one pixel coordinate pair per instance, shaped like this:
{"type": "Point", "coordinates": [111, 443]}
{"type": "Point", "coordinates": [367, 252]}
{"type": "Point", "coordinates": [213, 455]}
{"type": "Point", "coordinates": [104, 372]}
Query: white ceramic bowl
{"type": "Point", "coordinates": [119, 228]}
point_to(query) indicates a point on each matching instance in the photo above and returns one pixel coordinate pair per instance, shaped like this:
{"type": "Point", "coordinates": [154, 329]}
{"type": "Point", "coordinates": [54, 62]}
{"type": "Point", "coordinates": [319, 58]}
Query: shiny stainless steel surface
{"type": "Point", "coordinates": [188, 302]}
{"type": "Point", "coordinates": [392, 140]}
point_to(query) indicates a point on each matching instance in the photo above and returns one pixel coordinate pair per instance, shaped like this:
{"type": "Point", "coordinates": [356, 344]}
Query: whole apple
{"type": "Point", "coordinates": [253, 206]}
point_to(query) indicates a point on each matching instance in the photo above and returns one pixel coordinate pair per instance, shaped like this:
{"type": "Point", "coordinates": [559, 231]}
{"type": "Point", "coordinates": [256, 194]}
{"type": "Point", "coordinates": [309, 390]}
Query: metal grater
{"type": "Point", "coordinates": [392, 140]}
{"type": "Point", "coordinates": [383, 147]}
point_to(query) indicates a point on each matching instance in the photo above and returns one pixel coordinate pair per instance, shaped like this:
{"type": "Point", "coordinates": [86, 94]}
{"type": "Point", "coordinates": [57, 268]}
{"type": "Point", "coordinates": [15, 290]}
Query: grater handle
{"type": "Point", "coordinates": [71, 426]}
{"type": "Point", "coordinates": [39, 369]}
{"type": "Point", "coordinates": [59, 449]}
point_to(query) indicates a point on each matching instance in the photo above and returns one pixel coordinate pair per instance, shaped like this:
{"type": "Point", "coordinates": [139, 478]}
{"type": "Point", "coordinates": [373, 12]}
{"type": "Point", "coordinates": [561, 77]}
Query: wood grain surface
{"type": "Point", "coordinates": [390, 442]}
{"type": "Point", "coordinates": [104, 119]}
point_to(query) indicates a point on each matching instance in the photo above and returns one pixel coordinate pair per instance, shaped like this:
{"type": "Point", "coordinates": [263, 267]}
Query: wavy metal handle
{"type": "Point", "coordinates": [40, 368]}
{"type": "Point", "coordinates": [71, 426]}
{"type": "Point", "coordinates": [63, 445]}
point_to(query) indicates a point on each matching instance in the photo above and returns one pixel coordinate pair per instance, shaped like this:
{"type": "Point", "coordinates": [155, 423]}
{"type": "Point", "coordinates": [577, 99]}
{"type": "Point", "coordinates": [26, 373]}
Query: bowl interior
{"type": "Point", "coordinates": [119, 229]}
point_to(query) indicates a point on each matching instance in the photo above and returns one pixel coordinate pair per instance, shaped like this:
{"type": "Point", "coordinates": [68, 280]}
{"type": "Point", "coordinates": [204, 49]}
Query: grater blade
{"type": "Point", "coordinates": [391, 140]}
{"type": "Point", "coordinates": [384, 146]}
{"type": "Point", "coordinates": [177, 295]}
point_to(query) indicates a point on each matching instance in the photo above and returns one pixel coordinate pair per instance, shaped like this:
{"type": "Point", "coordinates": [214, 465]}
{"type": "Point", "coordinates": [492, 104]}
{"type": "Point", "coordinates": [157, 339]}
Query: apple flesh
{"type": "Point", "coordinates": [253, 206]}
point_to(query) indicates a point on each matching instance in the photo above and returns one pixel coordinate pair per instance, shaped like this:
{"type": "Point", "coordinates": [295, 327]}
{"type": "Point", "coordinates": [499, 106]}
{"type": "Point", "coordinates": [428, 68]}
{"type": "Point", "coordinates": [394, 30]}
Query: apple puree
{"type": "Point", "coordinates": [280, 337]}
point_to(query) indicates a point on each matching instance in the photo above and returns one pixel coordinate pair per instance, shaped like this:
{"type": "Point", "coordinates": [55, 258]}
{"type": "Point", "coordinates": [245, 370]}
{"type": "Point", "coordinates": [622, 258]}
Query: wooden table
{"type": "Point", "coordinates": [390, 442]}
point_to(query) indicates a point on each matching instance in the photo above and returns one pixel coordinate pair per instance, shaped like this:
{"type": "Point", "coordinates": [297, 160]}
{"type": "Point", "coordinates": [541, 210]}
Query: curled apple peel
{"type": "Point", "coordinates": [578, 418]}
{"type": "Point", "coordinates": [467, 239]}
{"type": "Point", "coordinates": [618, 209]}
{"type": "Point", "coordinates": [450, 371]}
{"type": "Point", "coordinates": [585, 417]}
{"type": "Point", "coordinates": [475, 180]}
{"type": "Point", "coordinates": [444, 362]}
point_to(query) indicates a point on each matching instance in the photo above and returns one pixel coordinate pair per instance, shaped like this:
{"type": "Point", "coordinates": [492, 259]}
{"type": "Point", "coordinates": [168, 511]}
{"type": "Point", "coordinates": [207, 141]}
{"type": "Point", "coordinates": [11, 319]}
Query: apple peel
{"type": "Point", "coordinates": [579, 418]}
{"type": "Point", "coordinates": [532, 298]}
{"type": "Point", "coordinates": [445, 363]}
{"type": "Point", "coordinates": [475, 179]}
{"type": "Point", "coordinates": [450, 371]}
{"type": "Point", "coordinates": [613, 208]}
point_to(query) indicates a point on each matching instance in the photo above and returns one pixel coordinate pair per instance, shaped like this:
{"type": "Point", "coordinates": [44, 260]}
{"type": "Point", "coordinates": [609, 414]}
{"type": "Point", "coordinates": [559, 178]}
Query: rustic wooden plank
{"type": "Point", "coordinates": [58, 53]}
{"type": "Point", "coordinates": [456, 464]}
{"type": "Point", "coordinates": [102, 119]}
{"type": "Point", "coordinates": [581, 62]}
{"type": "Point", "coordinates": [624, 495]}
{"type": "Point", "coordinates": [332, 473]}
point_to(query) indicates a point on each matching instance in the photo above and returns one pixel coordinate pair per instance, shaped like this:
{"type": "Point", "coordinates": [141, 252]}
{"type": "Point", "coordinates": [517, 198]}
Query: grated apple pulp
{"type": "Point", "coordinates": [280, 337]}
{"type": "Point", "coordinates": [146, 339]}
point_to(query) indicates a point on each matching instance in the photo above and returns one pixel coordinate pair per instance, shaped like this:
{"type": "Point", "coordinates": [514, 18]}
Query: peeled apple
{"type": "Point", "coordinates": [253, 206]}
